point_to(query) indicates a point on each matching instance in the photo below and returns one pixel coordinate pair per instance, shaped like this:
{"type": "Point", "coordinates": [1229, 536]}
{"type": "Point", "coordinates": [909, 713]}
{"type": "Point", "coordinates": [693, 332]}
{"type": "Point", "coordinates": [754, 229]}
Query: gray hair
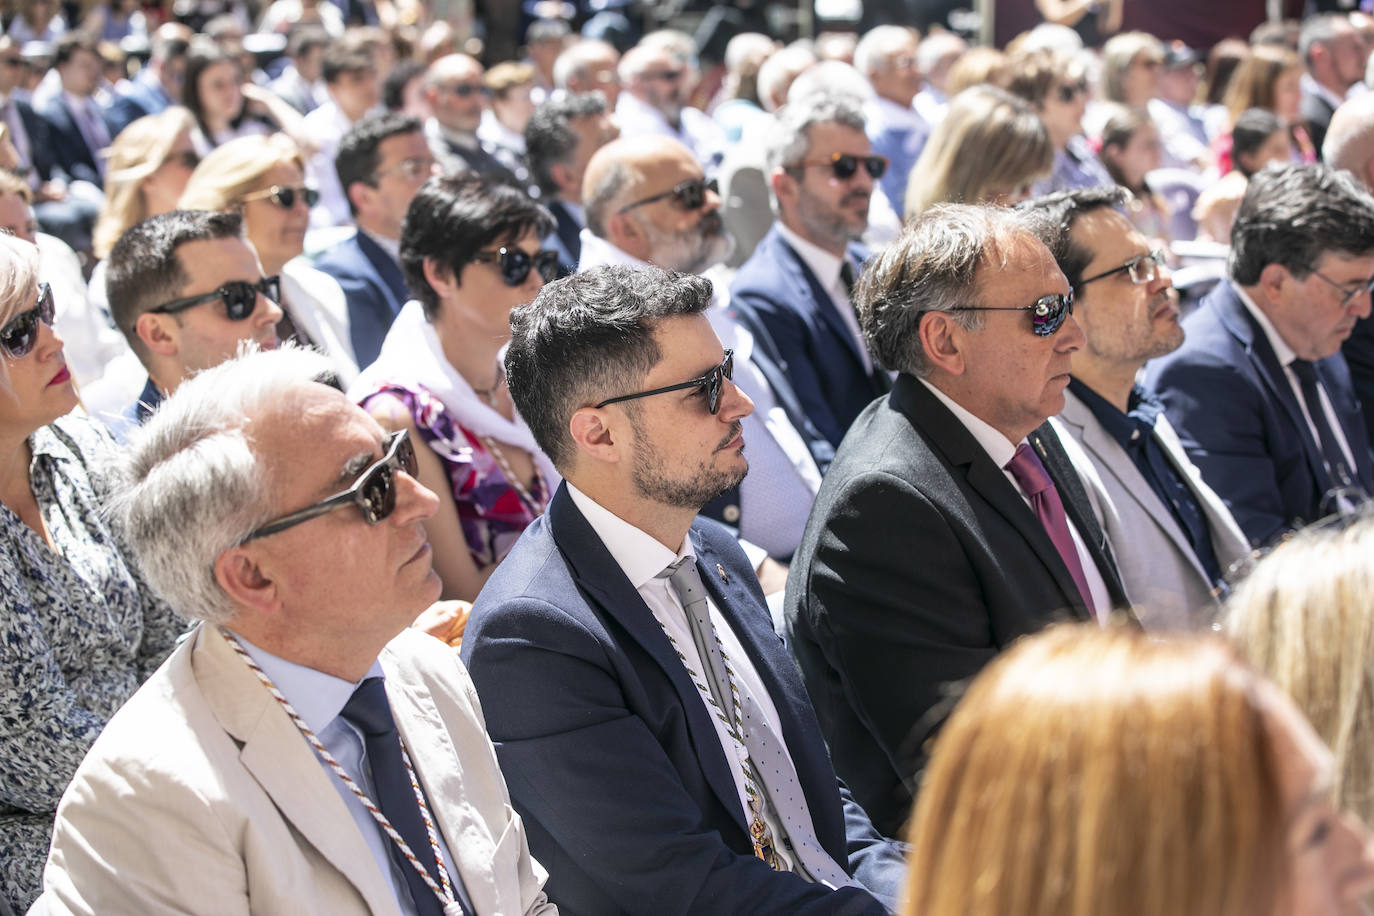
{"type": "Point", "coordinates": [614, 180]}
{"type": "Point", "coordinates": [792, 133]}
{"type": "Point", "coordinates": [933, 266]}
{"type": "Point", "coordinates": [878, 44]}
{"type": "Point", "coordinates": [193, 486]}
{"type": "Point", "coordinates": [573, 62]}
{"type": "Point", "coordinates": [779, 70]}
{"type": "Point", "coordinates": [831, 76]}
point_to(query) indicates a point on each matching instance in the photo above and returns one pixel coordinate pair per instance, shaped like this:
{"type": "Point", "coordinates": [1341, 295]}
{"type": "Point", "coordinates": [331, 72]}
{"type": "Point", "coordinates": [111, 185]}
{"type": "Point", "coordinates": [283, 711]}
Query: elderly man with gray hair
{"type": "Point", "coordinates": [241, 777]}
{"type": "Point", "coordinates": [951, 521]}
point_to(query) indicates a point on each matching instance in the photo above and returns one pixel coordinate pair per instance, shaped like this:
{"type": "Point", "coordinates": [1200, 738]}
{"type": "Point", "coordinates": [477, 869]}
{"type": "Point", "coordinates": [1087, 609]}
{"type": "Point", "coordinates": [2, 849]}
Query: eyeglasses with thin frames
{"type": "Point", "coordinates": [1143, 268]}
{"type": "Point", "coordinates": [374, 492]}
{"type": "Point", "coordinates": [686, 195]}
{"type": "Point", "coordinates": [410, 169]}
{"type": "Point", "coordinates": [1365, 287]}
{"type": "Point", "coordinates": [1048, 313]}
{"type": "Point", "coordinates": [712, 383]}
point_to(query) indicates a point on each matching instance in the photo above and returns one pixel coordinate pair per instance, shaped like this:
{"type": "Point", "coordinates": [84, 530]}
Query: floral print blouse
{"type": "Point", "coordinates": [79, 632]}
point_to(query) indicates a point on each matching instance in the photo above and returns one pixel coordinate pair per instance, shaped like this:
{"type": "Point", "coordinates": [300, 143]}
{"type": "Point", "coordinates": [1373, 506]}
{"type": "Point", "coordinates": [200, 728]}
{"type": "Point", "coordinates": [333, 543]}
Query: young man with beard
{"type": "Point", "coordinates": [795, 290]}
{"type": "Point", "coordinates": [1173, 537]}
{"type": "Point", "coordinates": [645, 766]}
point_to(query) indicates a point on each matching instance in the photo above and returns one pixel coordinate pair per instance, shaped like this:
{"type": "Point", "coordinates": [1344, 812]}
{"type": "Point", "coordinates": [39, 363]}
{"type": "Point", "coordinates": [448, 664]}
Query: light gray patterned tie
{"type": "Point", "coordinates": [771, 764]}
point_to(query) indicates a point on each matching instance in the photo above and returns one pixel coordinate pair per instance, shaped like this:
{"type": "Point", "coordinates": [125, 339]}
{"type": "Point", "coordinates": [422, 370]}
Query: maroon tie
{"type": "Point", "coordinates": [1048, 508]}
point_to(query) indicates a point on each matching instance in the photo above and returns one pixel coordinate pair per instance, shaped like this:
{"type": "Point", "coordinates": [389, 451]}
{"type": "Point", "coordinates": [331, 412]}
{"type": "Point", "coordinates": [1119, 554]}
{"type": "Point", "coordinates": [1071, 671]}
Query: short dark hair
{"type": "Point", "coordinates": [358, 150]}
{"type": "Point", "coordinates": [69, 44]}
{"type": "Point", "coordinates": [549, 137]}
{"type": "Point", "coordinates": [341, 58]}
{"type": "Point", "coordinates": [1293, 214]}
{"type": "Point", "coordinates": [1253, 127]}
{"type": "Point", "coordinates": [1060, 211]}
{"type": "Point", "coordinates": [588, 337]}
{"type": "Point", "coordinates": [455, 216]}
{"type": "Point", "coordinates": [302, 39]}
{"type": "Point", "coordinates": [394, 86]}
{"type": "Point", "coordinates": [143, 270]}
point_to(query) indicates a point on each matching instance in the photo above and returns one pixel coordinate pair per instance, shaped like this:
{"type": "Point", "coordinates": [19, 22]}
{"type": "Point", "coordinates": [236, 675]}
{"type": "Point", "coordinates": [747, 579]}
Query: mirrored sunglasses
{"type": "Point", "coordinates": [686, 195]}
{"type": "Point", "coordinates": [20, 334]}
{"type": "Point", "coordinates": [1047, 313]}
{"type": "Point", "coordinates": [374, 492]}
{"type": "Point", "coordinates": [712, 383]}
{"type": "Point", "coordinates": [240, 298]}
{"type": "Point", "coordinates": [285, 197]}
{"type": "Point", "coordinates": [516, 263]}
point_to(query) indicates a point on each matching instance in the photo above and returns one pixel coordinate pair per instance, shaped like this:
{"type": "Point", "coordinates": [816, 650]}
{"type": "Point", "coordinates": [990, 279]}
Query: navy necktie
{"type": "Point", "coordinates": [1330, 446]}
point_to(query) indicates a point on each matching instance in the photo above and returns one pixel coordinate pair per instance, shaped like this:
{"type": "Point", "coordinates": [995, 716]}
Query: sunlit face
{"type": "Point", "coordinates": [1140, 83]}
{"type": "Point", "coordinates": [278, 235]}
{"type": "Point", "coordinates": [221, 99]}
{"type": "Point", "coordinates": [357, 92]}
{"type": "Point", "coordinates": [514, 107]}
{"type": "Point", "coordinates": [1275, 148]}
{"type": "Point", "coordinates": [662, 84]}
{"type": "Point", "coordinates": [404, 162]}
{"type": "Point", "coordinates": [16, 218]}
{"type": "Point", "coordinates": [599, 75]}
{"type": "Point", "coordinates": [831, 211]}
{"type": "Point", "coordinates": [162, 189]}
{"type": "Point", "coordinates": [899, 79]}
{"type": "Point", "coordinates": [205, 336]}
{"type": "Point", "coordinates": [40, 382]}
{"type": "Point", "coordinates": [455, 93]}
{"type": "Point", "coordinates": [1288, 95]}
{"type": "Point", "coordinates": [1062, 109]}
{"type": "Point", "coordinates": [1314, 315]}
{"type": "Point", "coordinates": [686, 240]}
{"type": "Point", "coordinates": [481, 303]}
{"type": "Point", "coordinates": [1140, 156]}
{"type": "Point", "coordinates": [81, 73]}
{"type": "Point", "coordinates": [1348, 55]}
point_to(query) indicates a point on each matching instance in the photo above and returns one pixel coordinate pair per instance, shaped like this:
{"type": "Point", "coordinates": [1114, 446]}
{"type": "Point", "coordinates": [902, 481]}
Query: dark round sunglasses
{"type": "Point", "coordinates": [240, 298]}
{"type": "Point", "coordinates": [712, 383]}
{"type": "Point", "coordinates": [285, 197]}
{"type": "Point", "coordinates": [1047, 312]}
{"type": "Point", "coordinates": [374, 492]}
{"type": "Point", "coordinates": [687, 195]}
{"type": "Point", "coordinates": [516, 263]}
{"type": "Point", "coordinates": [845, 165]}
{"type": "Point", "coordinates": [20, 334]}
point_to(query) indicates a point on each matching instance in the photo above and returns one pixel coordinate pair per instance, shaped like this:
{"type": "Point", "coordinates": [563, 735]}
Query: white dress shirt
{"type": "Point", "coordinates": [1001, 450]}
{"type": "Point", "coordinates": [327, 125]}
{"type": "Point", "coordinates": [641, 558]}
{"type": "Point", "coordinates": [826, 268]}
{"type": "Point", "coordinates": [319, 698]}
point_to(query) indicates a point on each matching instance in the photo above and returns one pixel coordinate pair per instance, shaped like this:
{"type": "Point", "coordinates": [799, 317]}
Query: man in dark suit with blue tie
{"type": "Point", "coordinates": [382, 162]}
{"type": "Point", "coordinates": [794, 291]}
{"type": "Point", "coordinates": [657, 740]}
{"type": "Point", "coordinates": [76, 123]}
{"type": "Point", "coordinates": [1259, 392]}
{"type": "Point", "coordinates": [560, 138]}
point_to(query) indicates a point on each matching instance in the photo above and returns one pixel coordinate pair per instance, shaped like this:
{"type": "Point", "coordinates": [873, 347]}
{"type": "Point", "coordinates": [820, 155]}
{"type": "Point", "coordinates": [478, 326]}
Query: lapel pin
{"type": "Point", "coordinates": [723, 577]}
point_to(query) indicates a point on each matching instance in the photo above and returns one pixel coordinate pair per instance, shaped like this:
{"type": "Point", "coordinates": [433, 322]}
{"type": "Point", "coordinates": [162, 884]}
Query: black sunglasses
{"type": "Point", "coordinates": [1069, 92]}
{"type": "Point", "coordinates": [240, 298]}
{"type": "Point", "coordinates": [285, 197]}
{"type": "Point", "coordinates": [374, 492]}
{"type": "Point", "coordinates": [187, 158]}
{"type": "Point", "coordinates": [463, 90]}
{"type": "Point", "coordinates": [516, 263]}
{"type": "Point", "coordinates": [1047, 312]}
{"type": "Point", "coordinates": [845, 165]}
{"type": "Point", "coordinates": [688, 195]}
{"type": "Point", "coordinates": [712, 382]}
{"type": "Point", "coordinates": [19, 336]}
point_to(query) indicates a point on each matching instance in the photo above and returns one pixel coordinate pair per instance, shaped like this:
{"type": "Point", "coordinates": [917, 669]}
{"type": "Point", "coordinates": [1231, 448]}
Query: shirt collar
{"type": "Point", "coordinates": [1284, 352]}
{"type": "Point", "coordinates": [889, 112]}
{"type": "Point", "coordinates": [822, 263]}
{"type": "Point", "coordinates": [1141, 411]}
{"type": "Point", "coordinates": [638, 554]}
{"type": "Point", "coordinates": [1312, 87]}
{"type": "Point", "coordinates": [317, 697]}
{"type": "Point", "coordinates": [999, 448]}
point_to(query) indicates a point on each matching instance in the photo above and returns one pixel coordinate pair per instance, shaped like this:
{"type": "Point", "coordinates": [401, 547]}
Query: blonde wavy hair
{"type": "Point", "coordinates": [1305, 617]}
{"type": "Point", "coordinates": [235, 169]}
{"type": "Point", "coordinates": [1090, 772]}
{"type": "Point", "coordinates": [138, 152]}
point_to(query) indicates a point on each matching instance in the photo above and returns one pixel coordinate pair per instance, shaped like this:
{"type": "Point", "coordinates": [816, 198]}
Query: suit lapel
{"type": "Point", "coordinates": [387, 269]}
{"type": "Point", "coordinates": [604, 585]}
{"type": "Point", "coordinates": [1335, 376]}
{"type": "Point", "coordinates": [825, 306]}
{"type": "Point", "coordinates": [1228, 541]}
{"type": "Point", "coordinates": [283, 764]}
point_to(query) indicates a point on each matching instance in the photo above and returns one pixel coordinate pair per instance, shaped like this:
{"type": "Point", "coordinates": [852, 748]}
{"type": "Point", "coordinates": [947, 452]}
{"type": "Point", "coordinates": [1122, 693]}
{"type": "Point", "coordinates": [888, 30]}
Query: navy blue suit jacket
{"type": "Point", "coordinates": [375, 289]}
{"type": "Point", "coordinates": [1236, 414]}
{"type": "Point", "coordinates": [41, 147]}
{"type": "Point", "coordinates": [69, 147]}
{"type": "Point", "coordinates": [610, 754]}
{"type": "Point", "coordinates": [145, 96]}
{"type": "Point", "coordinates": [779, 299]}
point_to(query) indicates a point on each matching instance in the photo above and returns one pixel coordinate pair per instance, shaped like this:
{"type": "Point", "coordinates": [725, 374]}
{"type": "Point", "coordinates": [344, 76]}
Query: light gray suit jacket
{"type": "Point", "coordinates": [202, 797]}
{"type": "Point", "coordinates": [1163, 578]}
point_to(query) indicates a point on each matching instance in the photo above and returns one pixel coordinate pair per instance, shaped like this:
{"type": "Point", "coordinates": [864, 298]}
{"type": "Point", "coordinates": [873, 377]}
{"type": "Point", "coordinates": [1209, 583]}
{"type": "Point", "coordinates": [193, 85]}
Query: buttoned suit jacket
{"type": "Point", "coordinates": [201, 796]}
{"type": "Point", "coordinates": [1239, 419]}
{"type": "Point", "coordinates": [920, 562]}
{"type": "Point", "coordinates": [611, 755]}
{"type": "Point", "coordinates": [374, 286]}
{"type": "Point", "coordinates": [69, 147]}
{"type": "Point", "coordinates": [779, 299]}
{"type": "Point", "coordinates": [1167, 585]}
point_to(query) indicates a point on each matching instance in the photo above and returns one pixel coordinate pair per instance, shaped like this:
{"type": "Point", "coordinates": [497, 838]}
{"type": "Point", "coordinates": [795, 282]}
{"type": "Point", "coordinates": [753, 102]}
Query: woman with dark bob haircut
{"type": "Point", "coordinates": [471, 252]}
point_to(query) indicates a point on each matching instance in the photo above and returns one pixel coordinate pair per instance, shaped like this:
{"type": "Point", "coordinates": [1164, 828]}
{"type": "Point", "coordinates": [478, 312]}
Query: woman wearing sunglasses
{"type": "Point", "coordinates": [471, 253]}
{"type": "Point", "coordinates": [79, 629]}
{"type": "Point", "coordinates": [263, 178]}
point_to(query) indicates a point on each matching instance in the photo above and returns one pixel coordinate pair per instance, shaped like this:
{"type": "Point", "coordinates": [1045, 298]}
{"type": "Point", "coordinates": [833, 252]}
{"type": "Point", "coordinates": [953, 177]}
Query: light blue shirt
{"type": "Point", "coordinates": [319, 698]}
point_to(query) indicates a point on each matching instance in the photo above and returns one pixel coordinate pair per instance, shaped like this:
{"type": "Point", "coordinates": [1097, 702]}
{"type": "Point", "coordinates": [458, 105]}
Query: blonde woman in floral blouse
{"type": "Point", "coordinates": [79, 629]}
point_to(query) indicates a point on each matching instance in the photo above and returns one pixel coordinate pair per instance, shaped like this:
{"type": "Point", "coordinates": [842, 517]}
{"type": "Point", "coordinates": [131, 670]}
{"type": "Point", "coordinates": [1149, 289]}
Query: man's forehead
{"type": "Point", "coordinates": [314, 420]}
{"type": "Point", "coordinates": [216, 261]}
{"type": "Point", "coordinates": [1105, 232]}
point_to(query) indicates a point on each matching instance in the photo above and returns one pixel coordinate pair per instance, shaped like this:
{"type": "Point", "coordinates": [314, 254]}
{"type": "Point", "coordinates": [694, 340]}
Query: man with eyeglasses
{"type": "Point", "coordinates": [186, 289]}
{"type": "Point", "coordinates": [454, 91]}
{"type": "Point", "coordinates": [302, 751]}
{"type": "Point", "coordinates": [658, 741]}
{"type": "Point", "coordinates": [795, 291]}
{"type": "Point", "coordinates": [1174, 539]}
{"type": "Point", "coordinates": [383, 160]}
{"type": "Point", "coordinates": [654, 101]}
{"type": "Point", "coordinates": [952, 521]}
{"type": "Point", "coordinates": [1259, 392]}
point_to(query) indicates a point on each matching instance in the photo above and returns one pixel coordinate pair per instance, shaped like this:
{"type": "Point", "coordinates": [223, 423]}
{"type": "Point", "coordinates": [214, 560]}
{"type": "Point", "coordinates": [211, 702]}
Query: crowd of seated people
{"type": "Point", "coordinates": [694, 473]}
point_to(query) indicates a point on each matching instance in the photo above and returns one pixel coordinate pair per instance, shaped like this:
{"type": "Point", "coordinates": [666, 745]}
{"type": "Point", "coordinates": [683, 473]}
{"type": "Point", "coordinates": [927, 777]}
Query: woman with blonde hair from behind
{"type": "Point", "coordinates": [1093, 772]}
{"type": "Point", "coordinates": [990, 148]}
{"type": "Point", "coordinates": [1305, 617]}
